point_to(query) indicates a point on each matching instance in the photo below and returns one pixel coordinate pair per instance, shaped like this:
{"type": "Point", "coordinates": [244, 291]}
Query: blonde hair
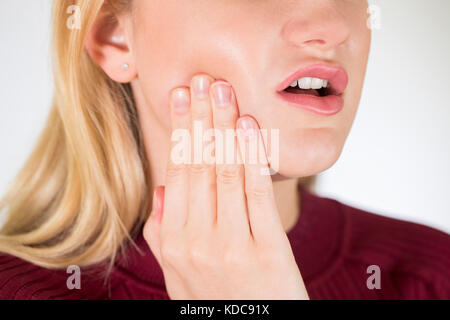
{"type": "Point", "coordinates": [83, 190]}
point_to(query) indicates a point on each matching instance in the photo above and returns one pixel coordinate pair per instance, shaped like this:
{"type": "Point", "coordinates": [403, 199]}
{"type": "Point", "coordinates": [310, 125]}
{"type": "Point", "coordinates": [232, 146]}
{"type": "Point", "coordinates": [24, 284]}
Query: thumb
{"type": "Point", "coordinates": [153, 225]}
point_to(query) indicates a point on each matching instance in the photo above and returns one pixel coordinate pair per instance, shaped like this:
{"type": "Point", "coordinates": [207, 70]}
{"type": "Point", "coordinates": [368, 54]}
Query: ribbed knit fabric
{"type": "Point", "coordinates": [333, 244]}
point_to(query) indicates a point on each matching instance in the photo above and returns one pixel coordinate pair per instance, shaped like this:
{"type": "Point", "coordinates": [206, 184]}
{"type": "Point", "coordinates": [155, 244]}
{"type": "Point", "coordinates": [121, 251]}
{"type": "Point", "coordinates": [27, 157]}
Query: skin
{"type": "Point", "coordinates": [225, 226]}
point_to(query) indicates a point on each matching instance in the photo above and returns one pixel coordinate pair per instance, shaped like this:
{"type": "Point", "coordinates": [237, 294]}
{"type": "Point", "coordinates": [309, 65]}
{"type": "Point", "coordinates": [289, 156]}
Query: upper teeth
{"type": "Point", "coordinates": [310, 83]}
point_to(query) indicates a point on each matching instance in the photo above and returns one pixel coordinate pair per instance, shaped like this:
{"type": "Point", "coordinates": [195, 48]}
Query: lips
{"type": "Point", "coordinates": [326, 101]}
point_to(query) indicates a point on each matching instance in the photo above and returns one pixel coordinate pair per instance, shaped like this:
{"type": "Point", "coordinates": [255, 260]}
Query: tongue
{"type": "Point", "coordinates": [311, 92]}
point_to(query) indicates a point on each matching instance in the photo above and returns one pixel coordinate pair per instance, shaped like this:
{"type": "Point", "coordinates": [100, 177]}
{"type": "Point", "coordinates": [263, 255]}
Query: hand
{"type": "Point", "coordinates": [214, 228]}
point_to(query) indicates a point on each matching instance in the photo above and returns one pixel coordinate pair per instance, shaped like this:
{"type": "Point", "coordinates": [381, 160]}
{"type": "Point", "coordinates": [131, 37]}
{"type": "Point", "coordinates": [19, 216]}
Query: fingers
{"type": "Point", "coordinates": [202, 194]}
{"type": "Point", "coordinates": [231, 208]}
{"type": "Point", "coordinates": [177, 179]}
{"type": "Point", "coordinates": [262, 210]}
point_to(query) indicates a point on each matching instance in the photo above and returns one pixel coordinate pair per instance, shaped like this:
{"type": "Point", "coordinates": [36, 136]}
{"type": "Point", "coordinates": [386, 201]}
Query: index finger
{"type": "Point", "coordinates": [176, 190]}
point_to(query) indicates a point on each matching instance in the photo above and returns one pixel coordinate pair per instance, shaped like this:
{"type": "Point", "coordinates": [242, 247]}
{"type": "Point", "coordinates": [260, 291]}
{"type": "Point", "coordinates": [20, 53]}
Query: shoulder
{"type": "Point", "coordinates": [405, 240]}
{"type": "Point", "coordinates": [22, 280]}
{"type": "Point", "coordinates": [17, 276]}
{"type": "Point", "coordinates": [414, 259]}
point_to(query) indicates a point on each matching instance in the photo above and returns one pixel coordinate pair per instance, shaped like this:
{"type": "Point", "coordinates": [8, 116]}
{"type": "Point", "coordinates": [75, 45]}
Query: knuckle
{"type": "Point", "coordinates": [232, 259]}
{"type": "Point", "coordinates": [169, 253]}
{"type": "Point", "coordinates": [224, 124]}
{"type": "Point", "coordinates": [201, 114]}
{"type": "Point", "coordinates": [174, 171]}
{"type": "Point", "coordinates": [202, 168]}
{"type": "Point", "coordinates": [259, 192]}
{"type": "Point", "coordinates": [229, 175]}
{"type": "Point", "coordinates": [170, 250]}
{"type": "Point", "coordinates": [199, 256]}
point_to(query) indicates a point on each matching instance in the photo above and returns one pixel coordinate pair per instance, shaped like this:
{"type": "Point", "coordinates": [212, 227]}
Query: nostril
{"type": "Point", "coordinates": [321, 27]}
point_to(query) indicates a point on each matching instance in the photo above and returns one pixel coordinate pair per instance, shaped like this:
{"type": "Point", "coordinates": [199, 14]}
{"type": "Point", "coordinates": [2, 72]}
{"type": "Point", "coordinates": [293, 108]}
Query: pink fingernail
{"type": "Point", "coordinates": [158, 203]}
{"type": "Point", "coordinates": [248, 127]}
{"type": "Point", "coordinates": [200, 86]}
{"type": "Point", "coordinates": [222, 94]}
{"type": "Point", "coordinates": [180, 100]}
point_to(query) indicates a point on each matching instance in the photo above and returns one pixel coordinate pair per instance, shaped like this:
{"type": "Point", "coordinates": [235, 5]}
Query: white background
{"type": "Point", "coordinates": [397, 159]}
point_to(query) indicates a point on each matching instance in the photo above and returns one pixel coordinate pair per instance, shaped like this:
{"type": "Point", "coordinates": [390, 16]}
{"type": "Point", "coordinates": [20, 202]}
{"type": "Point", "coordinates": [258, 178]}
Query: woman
{"type": "Point", "coordinates": [137, 73]}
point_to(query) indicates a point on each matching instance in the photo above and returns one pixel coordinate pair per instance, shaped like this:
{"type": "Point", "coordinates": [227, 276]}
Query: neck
{"type": "Point", "coordinates": [288, 202]}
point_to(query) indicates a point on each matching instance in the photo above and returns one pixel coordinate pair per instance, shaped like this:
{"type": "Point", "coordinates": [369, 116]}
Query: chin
{"type": "Point", "coordinates": [316, 152]}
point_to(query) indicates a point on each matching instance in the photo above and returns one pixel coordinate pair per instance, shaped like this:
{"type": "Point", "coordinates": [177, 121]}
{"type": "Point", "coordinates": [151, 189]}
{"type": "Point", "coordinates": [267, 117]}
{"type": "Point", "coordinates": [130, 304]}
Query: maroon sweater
{"type": "Point", "coordinates": [333, 244]}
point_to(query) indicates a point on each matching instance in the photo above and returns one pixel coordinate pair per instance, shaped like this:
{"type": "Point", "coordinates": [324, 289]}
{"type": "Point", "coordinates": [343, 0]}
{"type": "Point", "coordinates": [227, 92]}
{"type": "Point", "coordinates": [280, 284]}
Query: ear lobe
{"type": "Point", "coordinates": [108, 46]}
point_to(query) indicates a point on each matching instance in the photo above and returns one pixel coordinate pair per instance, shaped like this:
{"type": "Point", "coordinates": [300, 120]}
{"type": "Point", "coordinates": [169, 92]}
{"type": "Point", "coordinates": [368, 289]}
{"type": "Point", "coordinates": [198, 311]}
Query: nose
{"type": "Point", "coordinates": [316, 24]}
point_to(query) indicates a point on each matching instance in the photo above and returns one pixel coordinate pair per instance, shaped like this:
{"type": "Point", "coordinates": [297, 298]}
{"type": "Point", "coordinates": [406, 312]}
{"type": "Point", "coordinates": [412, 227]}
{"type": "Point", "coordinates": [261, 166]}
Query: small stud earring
{"type": "Point", "coordinates": [125, 66]}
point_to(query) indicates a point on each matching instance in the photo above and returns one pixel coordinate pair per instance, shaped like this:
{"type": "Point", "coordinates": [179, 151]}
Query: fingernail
{"type": "Point", "coordinates": [248, 127]}
{"type": "Point", "coordinates": [200, 86]}
{"type": "Point", "coordinates": [222, 94]}
{"type": "Point", "coordinates": [180, 100]}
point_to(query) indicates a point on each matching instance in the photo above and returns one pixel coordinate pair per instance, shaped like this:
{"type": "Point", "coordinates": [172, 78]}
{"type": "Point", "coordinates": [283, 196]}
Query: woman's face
{"type": "Point", "coordinates": [256, 45]}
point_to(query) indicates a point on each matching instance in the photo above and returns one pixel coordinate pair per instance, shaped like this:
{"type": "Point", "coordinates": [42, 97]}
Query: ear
{"type": "Point", "coordinates": [108, 45]}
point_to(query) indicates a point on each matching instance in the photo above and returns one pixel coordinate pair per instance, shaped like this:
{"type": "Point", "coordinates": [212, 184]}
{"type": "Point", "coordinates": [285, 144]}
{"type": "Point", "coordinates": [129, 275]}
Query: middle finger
{"type": "Point", "coordinates": [202, 194]}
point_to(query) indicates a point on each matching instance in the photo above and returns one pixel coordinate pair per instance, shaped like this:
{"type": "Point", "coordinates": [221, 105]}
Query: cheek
{"type": "Point", "coordinates": [174, 45]}
{"type": "Point", "coordinates": [168, 59]}
{"type": "Point", "coordinates": [159, 55]}
{"type": "Point", "coordinates": [358, 47]}
{"type": "Point", "coordinates": [172, 65]}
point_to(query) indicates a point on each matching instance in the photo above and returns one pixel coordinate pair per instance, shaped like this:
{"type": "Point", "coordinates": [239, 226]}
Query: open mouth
{"type": "Point", "coordinates": [312, 86]}
{"type": "Point", "coordinates": [317, 88]}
